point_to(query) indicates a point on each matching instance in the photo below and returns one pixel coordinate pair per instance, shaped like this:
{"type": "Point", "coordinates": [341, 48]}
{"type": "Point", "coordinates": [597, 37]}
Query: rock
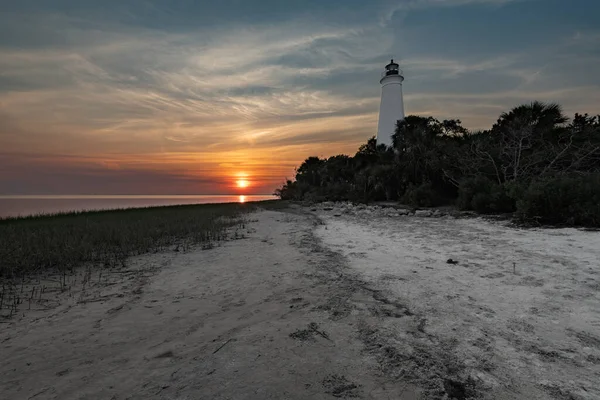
{"type": "Point", "coordinates": [437, 213]}
{"type": "Point", "coordinates": [403, 211]}
{"type": "Point", "coordinates": [337, 214]}
{"type": "Point", "coordinates": [327, 208]}
{"type": "Point", "coordinates": [423, 213]}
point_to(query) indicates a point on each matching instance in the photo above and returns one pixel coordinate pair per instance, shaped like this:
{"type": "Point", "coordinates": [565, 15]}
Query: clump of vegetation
{"type": "Point", "coordinates": [533, 161]}
{"type": "Point", "coordinates": [423, 195]}
{"type": "Point", "coordinates": [484, 196]}
{"type": "Point", "coordinates": [58, 244]}
{"type": "Point", "coordinates": [570, 199]}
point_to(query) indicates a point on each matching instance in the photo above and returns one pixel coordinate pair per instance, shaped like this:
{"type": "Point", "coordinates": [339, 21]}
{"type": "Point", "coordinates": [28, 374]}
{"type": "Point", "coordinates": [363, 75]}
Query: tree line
{"type": "Point", "coordinates": [534, 162]}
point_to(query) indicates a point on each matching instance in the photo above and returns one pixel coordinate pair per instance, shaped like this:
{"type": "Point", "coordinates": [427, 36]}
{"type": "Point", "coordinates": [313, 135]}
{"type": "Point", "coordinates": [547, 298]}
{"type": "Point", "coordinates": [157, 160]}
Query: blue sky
{"type": "Point", "coordinates": [182, 96]}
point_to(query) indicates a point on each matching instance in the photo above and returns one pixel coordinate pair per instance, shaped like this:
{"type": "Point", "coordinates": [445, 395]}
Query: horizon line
{"type": "Point", "coordinates": [73, 196]}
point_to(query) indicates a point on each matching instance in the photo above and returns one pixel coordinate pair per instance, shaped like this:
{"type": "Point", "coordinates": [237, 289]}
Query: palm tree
{"type": "Point", "coordinates": [541, 118]}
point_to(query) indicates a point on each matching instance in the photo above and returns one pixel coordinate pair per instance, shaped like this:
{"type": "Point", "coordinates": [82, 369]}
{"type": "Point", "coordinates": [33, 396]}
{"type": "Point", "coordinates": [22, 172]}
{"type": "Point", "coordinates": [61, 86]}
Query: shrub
{"type": "Point", "coordinates": [424, 195]}
{"type": "Point", "coordinates": [288, 191]}
{"type": "Point", "coordinates": [562, 199]}
{"type": "Point", "coordinates": [338, 191]}
{"type": "Point", "coordinates": [468, 189]}
{"type": "Point", "coordinates": [484, 196]}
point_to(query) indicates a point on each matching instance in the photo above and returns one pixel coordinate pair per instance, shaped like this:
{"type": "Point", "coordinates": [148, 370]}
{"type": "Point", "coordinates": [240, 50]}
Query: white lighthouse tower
{"type": "Point", "coordinates": [391, 108]}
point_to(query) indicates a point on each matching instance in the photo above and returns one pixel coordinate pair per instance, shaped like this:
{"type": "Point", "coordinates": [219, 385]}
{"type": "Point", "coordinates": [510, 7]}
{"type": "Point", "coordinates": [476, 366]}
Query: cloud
{"type": "Point", "coordinates": [401, 8]}
{"type": "Point", "coordinates": [171, 88]}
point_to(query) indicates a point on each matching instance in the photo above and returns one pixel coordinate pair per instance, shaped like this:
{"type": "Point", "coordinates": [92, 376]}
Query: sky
{"type": "Point", "coordinates": [192, 96]}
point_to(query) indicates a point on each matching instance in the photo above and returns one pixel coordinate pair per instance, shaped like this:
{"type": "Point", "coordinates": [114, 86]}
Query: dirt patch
{"type": "Point", "coordinates": [166, 354]}
{"type": "Point", "coordinates": [493, 275]}
{"type": "Point", "coordinates": [586, 338]}
{"type": "Point", "coordinates": [418, 358]}
{"type": "Point", "coordinates": [340, 386]}
{"type": "Point", "coordinates": [310, 333]}
{"type": "Point", "coordinates": [433, 368]}
{"type": "Point", "coordinates": [460, 390]}
{"type": "Point", "coordinates": [520, 325]}
{"type": "Point", "coordinates": [531, 281]}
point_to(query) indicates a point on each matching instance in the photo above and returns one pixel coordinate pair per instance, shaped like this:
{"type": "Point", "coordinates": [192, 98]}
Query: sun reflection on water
{"type": "Point", "coordinates": [242, 199]}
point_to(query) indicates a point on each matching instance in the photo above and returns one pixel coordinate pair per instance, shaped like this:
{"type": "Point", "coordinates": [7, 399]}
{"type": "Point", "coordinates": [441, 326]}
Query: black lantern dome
{"type": "Point", "coordinates": [392, 68]}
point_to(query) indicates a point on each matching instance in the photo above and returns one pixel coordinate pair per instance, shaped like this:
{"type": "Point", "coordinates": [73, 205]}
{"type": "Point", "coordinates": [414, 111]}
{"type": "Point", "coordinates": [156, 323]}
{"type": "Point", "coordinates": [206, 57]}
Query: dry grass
{"type": "Point", "coordinates": [58, 244]}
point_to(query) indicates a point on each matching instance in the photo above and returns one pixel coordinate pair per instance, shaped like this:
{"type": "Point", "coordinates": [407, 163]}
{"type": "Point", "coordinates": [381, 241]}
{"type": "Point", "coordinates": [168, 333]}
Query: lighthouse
{"type": "Point", "coordinates": [391, 108]}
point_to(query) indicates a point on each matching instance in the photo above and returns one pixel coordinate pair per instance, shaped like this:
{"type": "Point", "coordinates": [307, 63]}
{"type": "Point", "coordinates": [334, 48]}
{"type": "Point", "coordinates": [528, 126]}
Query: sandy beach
{"type": "Point", "coordinates": [325, 303]}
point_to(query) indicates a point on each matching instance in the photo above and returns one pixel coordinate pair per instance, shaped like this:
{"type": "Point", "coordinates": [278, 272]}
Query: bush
{"type": "Point", "coordinates": [338, 191]}
{"type": "Point", "coordinates": [468, 189]}
{"type": "Point", "coordinates": [289, 191]}
{"type": "Point", "coordinates": [563, 199]}
{"type": "Point", "coordinates": [313, 196]}
{"type": "Point", "coordinates": [424, 195]}
{"type": "Point", "coordinates": [484, 196]}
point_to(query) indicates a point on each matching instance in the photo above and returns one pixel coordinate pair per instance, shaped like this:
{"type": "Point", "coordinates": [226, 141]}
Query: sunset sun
{"type": "Point", "coordinates": [242, 183]}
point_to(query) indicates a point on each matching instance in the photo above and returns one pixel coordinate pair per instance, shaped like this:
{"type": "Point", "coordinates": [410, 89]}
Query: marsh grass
{"type": "Point", "coordinates": [56, 245]}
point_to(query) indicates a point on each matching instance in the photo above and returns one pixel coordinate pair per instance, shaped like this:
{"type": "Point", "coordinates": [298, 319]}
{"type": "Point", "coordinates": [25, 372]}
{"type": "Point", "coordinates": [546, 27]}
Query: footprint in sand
{"type": "Point", "coordinates": [493, 275]}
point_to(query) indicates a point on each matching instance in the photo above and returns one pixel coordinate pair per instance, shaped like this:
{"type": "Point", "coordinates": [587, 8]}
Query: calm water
{"type": "Point", "coordinates": [12, 206]}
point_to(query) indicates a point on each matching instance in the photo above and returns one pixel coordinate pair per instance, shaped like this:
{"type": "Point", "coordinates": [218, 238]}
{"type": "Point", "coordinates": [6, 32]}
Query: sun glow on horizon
{"type": "Point", "coordinates": [242, 183]}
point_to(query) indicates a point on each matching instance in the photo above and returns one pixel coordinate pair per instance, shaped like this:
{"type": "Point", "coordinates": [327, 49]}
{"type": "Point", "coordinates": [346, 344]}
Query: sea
{"type": "Point", "coordinates": [15, 206]}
